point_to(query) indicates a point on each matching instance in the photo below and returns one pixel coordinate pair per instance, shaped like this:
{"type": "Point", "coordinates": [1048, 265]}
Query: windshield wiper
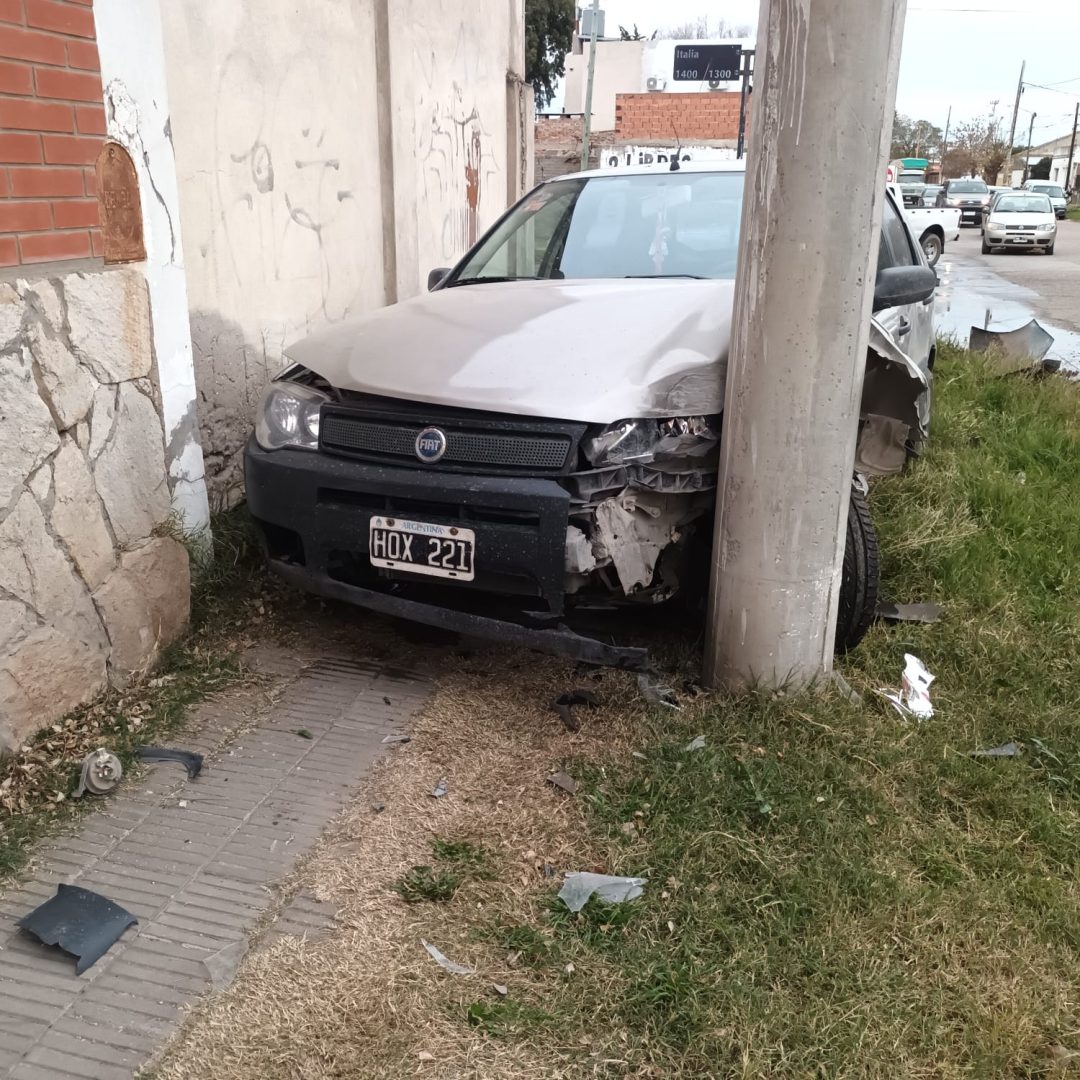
{"type": "Point", "coordinates": [490, 280]}
{"type": "Point", "coordinates": [693, 277]}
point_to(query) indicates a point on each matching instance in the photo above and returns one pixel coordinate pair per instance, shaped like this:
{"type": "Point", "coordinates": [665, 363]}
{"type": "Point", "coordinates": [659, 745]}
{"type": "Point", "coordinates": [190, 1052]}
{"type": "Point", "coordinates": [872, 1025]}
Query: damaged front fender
{"type": "Point", "coordinates": [895, 406]}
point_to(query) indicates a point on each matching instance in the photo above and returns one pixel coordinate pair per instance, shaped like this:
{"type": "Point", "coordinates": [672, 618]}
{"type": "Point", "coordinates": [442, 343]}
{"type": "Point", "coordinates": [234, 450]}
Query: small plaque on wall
{"type": "Point", "coordinates": [118, 199]}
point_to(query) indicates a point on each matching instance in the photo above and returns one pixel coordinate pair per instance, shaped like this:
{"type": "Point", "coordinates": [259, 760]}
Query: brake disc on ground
{"type": "Point", "coordinates": [101, 772]}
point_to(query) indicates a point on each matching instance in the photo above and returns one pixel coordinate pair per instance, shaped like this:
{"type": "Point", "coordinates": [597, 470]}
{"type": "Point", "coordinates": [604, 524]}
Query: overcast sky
{"type": "Point", "coordinates": [964, 53]}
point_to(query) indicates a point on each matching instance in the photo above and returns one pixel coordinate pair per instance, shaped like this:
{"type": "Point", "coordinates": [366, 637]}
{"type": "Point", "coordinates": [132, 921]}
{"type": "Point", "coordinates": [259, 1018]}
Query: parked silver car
{"type": "Point", "coordinates": [1054, 192]}
{"type": "Point", "coordinates": [1020, 220]}
{"type": "Point", "coordinates": [540, 431]}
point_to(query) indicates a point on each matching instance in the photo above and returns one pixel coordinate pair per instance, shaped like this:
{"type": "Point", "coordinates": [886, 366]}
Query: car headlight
{"type": "Point", "coordinates": [653, 441]}
{"type": "Point", "coordinates": [995, 226]}
{"type": "Point", "coordinates": [1048, 227]}
{"type": "Point", "coordinates": [289, 416]}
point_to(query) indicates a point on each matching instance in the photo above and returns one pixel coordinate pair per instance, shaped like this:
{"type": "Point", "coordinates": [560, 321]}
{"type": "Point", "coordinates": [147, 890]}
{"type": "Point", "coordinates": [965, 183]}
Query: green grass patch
{"type": "Point", "coordinates": [834, 891]}
{"type": "Point", "coordinates": [460, 861]}
{"type": "Point", "coordinates": [1073, 213]}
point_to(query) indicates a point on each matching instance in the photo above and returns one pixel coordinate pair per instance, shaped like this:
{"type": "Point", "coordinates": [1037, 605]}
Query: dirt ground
{"type": "Point", "coordinates": [366, 999]}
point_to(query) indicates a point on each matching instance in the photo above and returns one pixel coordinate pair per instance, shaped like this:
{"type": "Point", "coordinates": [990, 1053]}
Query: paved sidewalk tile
{"type": "Point", "coordinates": [198, 875]}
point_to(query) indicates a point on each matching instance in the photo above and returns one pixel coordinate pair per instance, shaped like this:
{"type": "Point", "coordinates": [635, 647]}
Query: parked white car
{"type": "Point", "coordinates": [1022, 219]}
{"type": "Point", "coordinates": [1054, 192]}
{"type": "Point", "coordinates": [932, 226]}
{"type": "Point", "coordinates": [540, 431]}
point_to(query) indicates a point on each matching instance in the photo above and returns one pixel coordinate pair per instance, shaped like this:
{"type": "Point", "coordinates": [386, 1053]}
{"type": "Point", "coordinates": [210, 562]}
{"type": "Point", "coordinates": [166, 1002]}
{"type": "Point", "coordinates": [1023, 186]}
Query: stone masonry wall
{"type": "Point", "coordinates": [89, 590]}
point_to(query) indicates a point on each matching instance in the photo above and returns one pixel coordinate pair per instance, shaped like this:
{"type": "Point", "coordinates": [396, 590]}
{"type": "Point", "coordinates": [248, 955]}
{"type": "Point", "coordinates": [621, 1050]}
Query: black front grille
{"type": "Point", "coordinates": [475, 442]}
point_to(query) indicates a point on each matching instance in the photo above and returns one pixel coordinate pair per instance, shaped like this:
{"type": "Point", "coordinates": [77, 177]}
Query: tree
{"type": "Point", "coordinates": [914, 138]}
{"type": "Point", "coordinates": [1041, 169]}
{"type": "Point", "coordinates": [977, 150]}
{"type": "Point", "coordinates": [549, 35]}
{"type": "Point", "coordinates": [699, 28]}
{"type": "Point", "coordinates": [626, 35]}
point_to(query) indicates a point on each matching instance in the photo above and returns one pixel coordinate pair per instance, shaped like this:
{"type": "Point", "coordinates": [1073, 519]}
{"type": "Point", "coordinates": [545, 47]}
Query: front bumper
{"type": "Point", "coordinates": [314, 510]}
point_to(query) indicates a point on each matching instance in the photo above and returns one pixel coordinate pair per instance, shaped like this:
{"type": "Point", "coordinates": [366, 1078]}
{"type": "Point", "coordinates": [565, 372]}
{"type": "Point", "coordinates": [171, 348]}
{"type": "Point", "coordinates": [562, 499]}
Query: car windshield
{"type": "Point", "coordinates": [662, 224]}
{"type": "Point", "coordinates": [1023, 204]}
{"type": "Point", "coordinates": [1053, 190]}
{"type": "Point", "coordinates": [968, 187]}
{"type": "Point", "coordinates": [912, 178]}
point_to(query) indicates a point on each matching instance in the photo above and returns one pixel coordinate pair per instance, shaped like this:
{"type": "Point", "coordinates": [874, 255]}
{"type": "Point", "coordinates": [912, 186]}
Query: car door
{"type": "Point", "coordinates": [911, 326]}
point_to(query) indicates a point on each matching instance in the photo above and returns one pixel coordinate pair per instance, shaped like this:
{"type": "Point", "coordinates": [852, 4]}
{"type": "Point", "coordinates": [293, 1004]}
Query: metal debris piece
{"type": "Point", "coordinates": [441, 788]}
{"type": "Point", "coordinates": [188, 758]}
{"type": "Point", "coordinates": [696, 744]}
{"type": "Point", "coordinates": [564, 782]}
{"type": "Point", "coordinates": [1009, 749]}
{"type": "Point", "coordinates": [1029, 342]}
{"type": "Point", "coordinates": [914, 696]}
{"type": "Point", "coordinates": [81, 922]}
{"type": "Point", "coordinates": [443, 962]}
{"type": "Point", "coordinates": [921, 613]}
{"type": "Point", "coordinates": [101, 772]}
{"type": "Point", "coordinates": [565, 702]}
{"type": "Point", "coordinates": [578, 887]}
{"type": "Point", "coordinates": [655, 694]}
{"type": "Point", "coordinates": [397, 737]}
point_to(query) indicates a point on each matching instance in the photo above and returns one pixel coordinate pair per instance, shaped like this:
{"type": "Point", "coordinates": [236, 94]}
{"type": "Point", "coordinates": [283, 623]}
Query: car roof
{"type": "Point", "coordinates": [662, 167]}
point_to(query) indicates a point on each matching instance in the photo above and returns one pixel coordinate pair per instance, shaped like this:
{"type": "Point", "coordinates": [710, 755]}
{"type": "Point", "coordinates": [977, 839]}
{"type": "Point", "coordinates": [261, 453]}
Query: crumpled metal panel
{"type": "Point", "coordinates": [81, 922]}
{"type": "Point", "coordinates": [1027, 342]}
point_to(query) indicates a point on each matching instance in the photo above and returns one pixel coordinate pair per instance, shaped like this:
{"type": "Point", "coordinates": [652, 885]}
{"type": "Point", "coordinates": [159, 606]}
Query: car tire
{"type": "Point", "coordinates": [860, 576]}
{"type": "Point", "coordinates": [1050, 250]}
{"type": "Point", "coordinates": [986, 249]}
{"type": "Point", "coordinates": [932, 246]}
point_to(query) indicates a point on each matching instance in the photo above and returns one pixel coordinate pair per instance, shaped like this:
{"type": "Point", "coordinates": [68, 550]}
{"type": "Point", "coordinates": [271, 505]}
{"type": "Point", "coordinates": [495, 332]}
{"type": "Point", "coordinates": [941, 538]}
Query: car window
{"type": "Point", "coordinates": [1023, 204]}
{"type": "Point", "coordinates": [659, 224]}
{"type": "Point", "coordinates": [968, 187]}
{"type": "Point", "coordinates": [895, 249]}
{"type": "Point", "coordinates": [1053, 190]}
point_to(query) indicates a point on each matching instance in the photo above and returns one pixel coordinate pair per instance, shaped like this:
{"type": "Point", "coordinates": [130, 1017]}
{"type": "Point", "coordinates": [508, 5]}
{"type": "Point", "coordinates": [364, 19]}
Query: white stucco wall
{"type": "Point", "coordinates": [618, 71]}
{"type": "Point", "coordinates": [319, 180]}
{"type": "Point", "coordinates": [137, 113]}
{"type": "Point", "coordinates": [274, 124]}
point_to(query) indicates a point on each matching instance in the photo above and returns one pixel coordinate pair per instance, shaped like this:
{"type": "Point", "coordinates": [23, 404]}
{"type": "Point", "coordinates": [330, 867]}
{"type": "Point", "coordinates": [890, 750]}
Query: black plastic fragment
{"type": "Point", "coordinates": [81, 922]}
{"type": "Point", "coordinates": [188, 758]}
{"type": "Point", "coordinates": [565, 702]}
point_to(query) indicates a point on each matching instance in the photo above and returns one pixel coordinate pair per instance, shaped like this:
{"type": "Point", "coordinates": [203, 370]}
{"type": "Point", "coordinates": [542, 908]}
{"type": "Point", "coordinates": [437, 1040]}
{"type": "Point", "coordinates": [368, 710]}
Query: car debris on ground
{"type": "Point", "coordinates": [918, 613]}
{"type": "Point", "coordinates": [564, 703]}
{"type": "Point", "coordinates": [913, 699]}
{"type": "Point", "coordinates": [449, 965]}
{"type": "Point", "coordinates": [397, 737]}
{"type": "Point", "coordinates": [101, 772]}
{"type": "Point", "coordinates": [441, 788]}
{"type": "Point", "coordinates": [188, 758]}
{"type": "Point", "coordinates": [81, 922]}
{"type": "Point", "coordinates": [662, 697]}
{"type": "Point", "coordinates": [563, 781]}
{"type": "Point", "coordinates": [697, 743]}
{"type": "Point", "coordinates": [1009, 749]}
{"type": "Point", "coordinates": [579, 887]}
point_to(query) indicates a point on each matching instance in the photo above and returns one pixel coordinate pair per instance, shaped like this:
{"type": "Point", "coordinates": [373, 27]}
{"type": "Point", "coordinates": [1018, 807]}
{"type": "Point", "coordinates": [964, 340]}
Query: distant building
{"type": "Point", "coordinates": [1058, 152]}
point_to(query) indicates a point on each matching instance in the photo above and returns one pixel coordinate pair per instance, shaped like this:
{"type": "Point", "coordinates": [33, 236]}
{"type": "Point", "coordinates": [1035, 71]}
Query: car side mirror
{"type": "Point", "coordinates": [900, 285]}
{"type": "Point", "coordinates": [435, 277]}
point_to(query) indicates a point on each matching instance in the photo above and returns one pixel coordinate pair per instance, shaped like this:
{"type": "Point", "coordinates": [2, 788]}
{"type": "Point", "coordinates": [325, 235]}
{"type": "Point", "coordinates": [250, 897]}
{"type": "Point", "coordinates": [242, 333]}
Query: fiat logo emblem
{"type": "Point", "coordinates": [430, 445]}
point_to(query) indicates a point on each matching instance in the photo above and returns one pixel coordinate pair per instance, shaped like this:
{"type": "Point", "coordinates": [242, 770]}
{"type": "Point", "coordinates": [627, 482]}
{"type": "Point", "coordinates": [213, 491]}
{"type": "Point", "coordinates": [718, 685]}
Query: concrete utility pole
{"type": "Point", "coordinates": [587, 126]}
{"type": "Point", "coordinates": [1012, 127]}
{"type": "Point", "coordinates": [1027, 155]}
{"type": "Point", "coordinates": [824, 89]}
{"type": "Point", "coordinates": [945, 144]}
{"type": "Point", "coordinates": [1072, 148]}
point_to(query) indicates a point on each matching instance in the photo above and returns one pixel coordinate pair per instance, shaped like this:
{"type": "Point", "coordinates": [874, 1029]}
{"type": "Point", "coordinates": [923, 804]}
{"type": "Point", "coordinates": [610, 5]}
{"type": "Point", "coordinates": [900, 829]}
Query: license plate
{"type": "Point", "coordinates": [420, 547]}
{"type": "Point", "coordinates": [1019, 239]}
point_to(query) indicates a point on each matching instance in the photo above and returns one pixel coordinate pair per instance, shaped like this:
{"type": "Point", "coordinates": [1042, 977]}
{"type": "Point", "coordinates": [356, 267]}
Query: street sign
{"type": "Point", "coordinates": [707, 63]}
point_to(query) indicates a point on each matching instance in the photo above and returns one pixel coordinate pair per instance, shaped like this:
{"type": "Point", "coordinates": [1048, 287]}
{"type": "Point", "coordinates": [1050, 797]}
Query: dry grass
{"type": "Point", "coordinates": [368, 1000]}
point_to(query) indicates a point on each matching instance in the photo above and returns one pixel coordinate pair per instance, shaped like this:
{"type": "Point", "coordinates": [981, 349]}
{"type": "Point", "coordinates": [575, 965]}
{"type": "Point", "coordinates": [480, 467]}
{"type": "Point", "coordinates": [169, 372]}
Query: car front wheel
{"type": "Point", "coordinates": [861, 573]}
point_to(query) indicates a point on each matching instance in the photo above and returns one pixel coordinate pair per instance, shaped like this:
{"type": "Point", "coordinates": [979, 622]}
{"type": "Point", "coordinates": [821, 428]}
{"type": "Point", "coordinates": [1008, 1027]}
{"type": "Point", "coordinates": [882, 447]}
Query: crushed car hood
{"type": "Point", "coordinates": [590, 350]}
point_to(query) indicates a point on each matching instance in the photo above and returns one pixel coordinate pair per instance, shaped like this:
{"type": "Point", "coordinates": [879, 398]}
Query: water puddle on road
{"type": "Point", "coordinates": [970, 296]}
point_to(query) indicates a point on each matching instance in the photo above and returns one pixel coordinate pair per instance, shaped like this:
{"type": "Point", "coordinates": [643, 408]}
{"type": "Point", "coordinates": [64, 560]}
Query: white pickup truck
{"type": "Point", "coordinates": [933, 226]}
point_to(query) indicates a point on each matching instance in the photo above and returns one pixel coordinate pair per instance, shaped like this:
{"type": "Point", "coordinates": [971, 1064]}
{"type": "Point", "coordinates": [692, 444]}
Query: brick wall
{"type": "Point", "coordinates": [52, 123]}
{"type": "Point", "coordinates": [713, 115]}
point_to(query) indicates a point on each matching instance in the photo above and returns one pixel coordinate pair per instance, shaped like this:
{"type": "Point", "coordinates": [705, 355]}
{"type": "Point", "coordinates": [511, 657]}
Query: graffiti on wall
{"type": "Point", "coordinates": [456, 150]}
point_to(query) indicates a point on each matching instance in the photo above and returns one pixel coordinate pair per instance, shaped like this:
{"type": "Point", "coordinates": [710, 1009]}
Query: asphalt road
{"type": "Point", "coordinates": [1005, 290]}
